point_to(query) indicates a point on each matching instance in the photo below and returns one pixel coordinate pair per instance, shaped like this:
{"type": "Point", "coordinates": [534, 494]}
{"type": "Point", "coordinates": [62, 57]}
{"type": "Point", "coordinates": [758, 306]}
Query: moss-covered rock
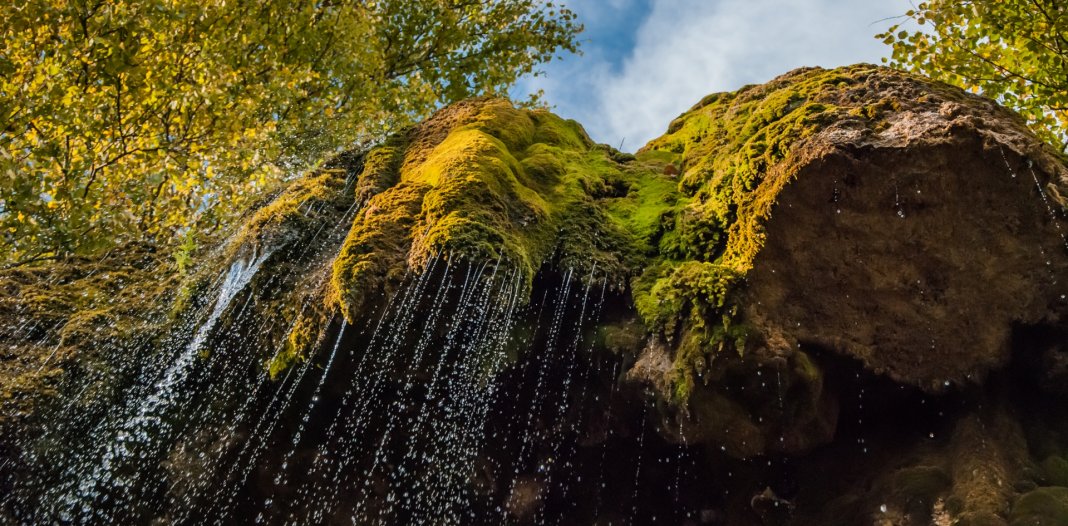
{"type": "Point", "coordinates": [798, 198]}
{"type": "Point", "coordinates": [734, 231]}
{"type": "Point", "coordinates": [68, 314]}
{"type": "Point", "coordinates": [483, 181]}
{"type": "Point", "coordinates": [1041, 507]}
{"type": "Point", "coordinates": [1055, 469]}
{"type": "Point", "coordinates": [784, 258]}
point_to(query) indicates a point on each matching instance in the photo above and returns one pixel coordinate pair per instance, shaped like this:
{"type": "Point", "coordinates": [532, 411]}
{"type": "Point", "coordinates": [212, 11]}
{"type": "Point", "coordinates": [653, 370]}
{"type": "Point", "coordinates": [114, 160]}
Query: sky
{"type": "Point", "coordinates": [644, 62]}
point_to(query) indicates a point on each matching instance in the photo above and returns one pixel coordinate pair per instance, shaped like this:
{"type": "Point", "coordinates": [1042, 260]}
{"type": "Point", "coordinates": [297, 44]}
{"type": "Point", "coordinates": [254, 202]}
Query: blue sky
{"type": "Point", "coordinates": [646, 61]}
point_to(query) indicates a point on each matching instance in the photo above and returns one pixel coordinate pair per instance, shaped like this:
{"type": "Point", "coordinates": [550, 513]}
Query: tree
{"type": "Point", "coordinates": [1015, 51]}
{"type": "Point", "coordinates": [130, 120]}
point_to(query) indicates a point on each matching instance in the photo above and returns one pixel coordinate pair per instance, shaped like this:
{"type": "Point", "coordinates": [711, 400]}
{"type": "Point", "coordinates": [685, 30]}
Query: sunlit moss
{"type": "Point", "coordinates": [485, 181]}
{"type": "Point", "coordinates": [290, 211]}
{"type": "Point", "coordinates": [300, 227]}
{"type": "Point", "coordinates": [376, 246]}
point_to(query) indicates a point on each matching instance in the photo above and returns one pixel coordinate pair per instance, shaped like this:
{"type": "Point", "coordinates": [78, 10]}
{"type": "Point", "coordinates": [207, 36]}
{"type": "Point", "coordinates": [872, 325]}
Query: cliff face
{"type": "Point", "coordinates": [835, 298]}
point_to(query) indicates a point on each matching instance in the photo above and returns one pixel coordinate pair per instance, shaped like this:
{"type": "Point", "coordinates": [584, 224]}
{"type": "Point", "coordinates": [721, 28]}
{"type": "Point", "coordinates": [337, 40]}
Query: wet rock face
{"type": "Point", "coordinates": [917, 262]}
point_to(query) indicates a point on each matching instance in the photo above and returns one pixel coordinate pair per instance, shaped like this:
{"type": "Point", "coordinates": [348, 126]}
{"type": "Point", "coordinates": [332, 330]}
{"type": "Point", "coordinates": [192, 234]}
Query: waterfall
{"type": "Point", "coordinates": [425, 411]}
{"type": "Point", "coordinates": [437, 408]}
{"type": "Point", "coordinates": [147, 428]}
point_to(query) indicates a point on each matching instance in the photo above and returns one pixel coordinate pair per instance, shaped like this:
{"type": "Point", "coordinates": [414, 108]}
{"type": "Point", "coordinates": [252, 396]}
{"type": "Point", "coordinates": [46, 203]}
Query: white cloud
{"type": "Point", "coordinates": [686, 49]}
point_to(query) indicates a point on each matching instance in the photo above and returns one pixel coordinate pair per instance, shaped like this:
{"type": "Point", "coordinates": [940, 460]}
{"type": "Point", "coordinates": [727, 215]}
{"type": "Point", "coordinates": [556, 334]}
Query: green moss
{"type": "Point", "coordinates": [805, 369]}
{"type": "Point", "coordinates": [660, 157]}
{"type": "Point", "coordinates": [920, 483]}
{"type": "Point", "coordinates": [381, 168]}
{"type": "Point", "coordinates": [481, 206]}
{"type": "Point", "coordinates": [734, 154]}
{"type": "Point", "coordinates": [488, 182]}
{"type": "Point", "coordinates": [554, 130]}
{"type": "Point", "coordinates": [649, 200]}
{"type": "Point", "coordinates": [730, 142]}
{"type": "Point", "coordinates": [290, 212]}
{"type": "Point", "coordinates": [695, 287]}
{"type": "Point", "coordinates": [1056, 470]}
{"type": "Point", "coordinates": [691, 299]}
{"type": "Point", "coordinates": [64, 314]}
{"type": "Point", "coordinates": [306, 333]}
{"type": "Point", "coordinates": [376, 246]}
{"type": "Point", "coordinates": [623, 337]}
{"type": "Point", "coordinates": [1041, 507]}
{"type": "Point", "coordinates": [697, 348]}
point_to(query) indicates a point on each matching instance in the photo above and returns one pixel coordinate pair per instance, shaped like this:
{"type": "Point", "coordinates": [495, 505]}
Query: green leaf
{"type": "Point", "coordinates": [1010, 50]}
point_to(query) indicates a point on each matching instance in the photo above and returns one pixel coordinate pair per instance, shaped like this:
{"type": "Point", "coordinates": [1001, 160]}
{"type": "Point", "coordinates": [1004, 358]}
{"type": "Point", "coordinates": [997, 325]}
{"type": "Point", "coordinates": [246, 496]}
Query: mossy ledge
{"type": "Point", "coordinates": [484, 181]}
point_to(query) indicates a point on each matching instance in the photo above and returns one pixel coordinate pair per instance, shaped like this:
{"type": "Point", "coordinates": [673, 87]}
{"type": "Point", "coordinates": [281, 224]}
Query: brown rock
{"type": "Point", "coordinates": [915, 248]}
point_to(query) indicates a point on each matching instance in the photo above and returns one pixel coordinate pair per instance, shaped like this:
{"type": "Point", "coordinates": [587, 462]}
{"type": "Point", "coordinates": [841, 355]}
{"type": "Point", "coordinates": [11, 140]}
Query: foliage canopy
{"type": "Point", "coordinates": [1015, 51]}
{"type": "Point", "coordinates": [131, 120]}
